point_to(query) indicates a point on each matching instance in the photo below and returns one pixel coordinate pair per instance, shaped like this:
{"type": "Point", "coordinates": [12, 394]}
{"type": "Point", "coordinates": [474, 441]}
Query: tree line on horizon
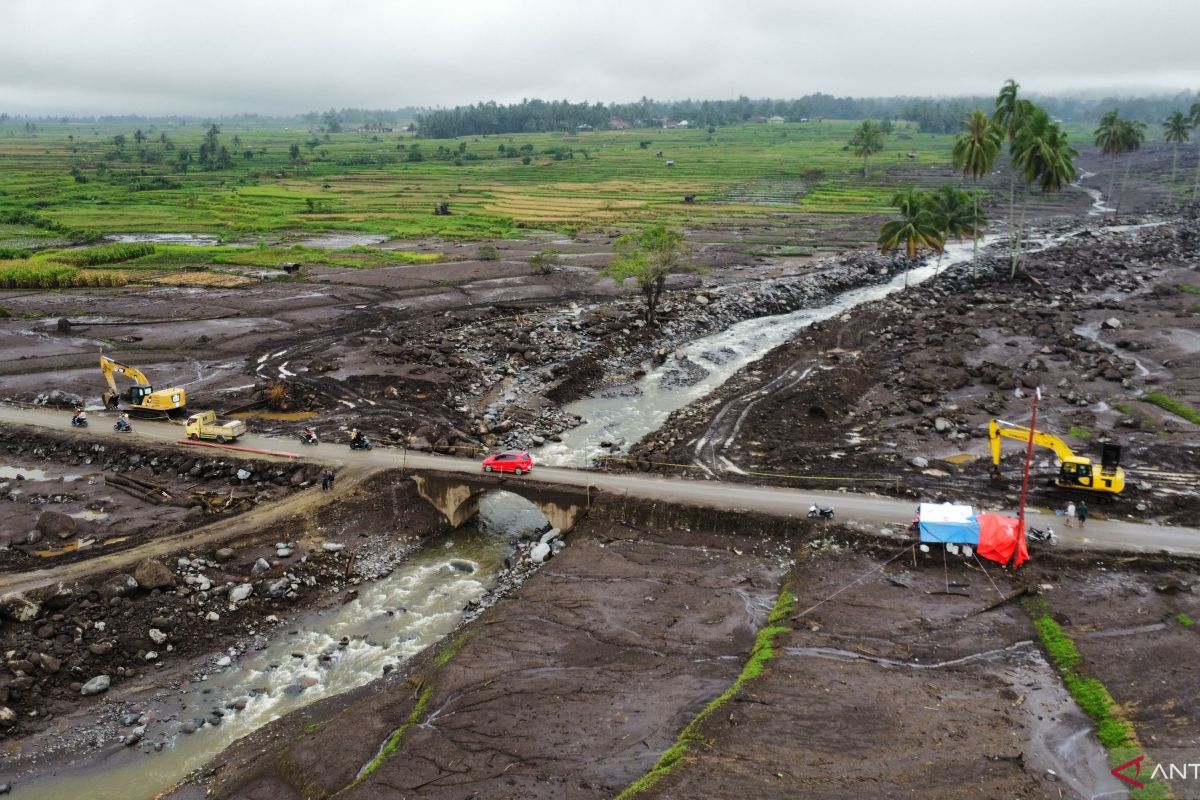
{"type": "Point", "coordinates": [931, 115]}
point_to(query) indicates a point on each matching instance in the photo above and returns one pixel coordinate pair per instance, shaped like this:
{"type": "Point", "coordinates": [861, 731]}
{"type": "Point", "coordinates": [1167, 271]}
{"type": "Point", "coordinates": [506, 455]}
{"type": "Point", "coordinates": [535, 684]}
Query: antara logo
{"type": "Point", "coordinates": [1130, 771]}
{"type": "Point", "coordinates": [1119, 772]}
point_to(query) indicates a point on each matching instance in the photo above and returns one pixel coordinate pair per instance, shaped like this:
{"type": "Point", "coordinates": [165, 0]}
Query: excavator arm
{"type": "Point", "coordinates": [111, 368]}
{"type": "Point", "coordinates": [998, 429]}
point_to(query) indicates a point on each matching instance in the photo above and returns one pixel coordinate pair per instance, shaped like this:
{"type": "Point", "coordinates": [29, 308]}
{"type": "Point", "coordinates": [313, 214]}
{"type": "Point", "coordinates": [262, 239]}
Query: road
{"type": "Point", "coordinates": [1100, 534]}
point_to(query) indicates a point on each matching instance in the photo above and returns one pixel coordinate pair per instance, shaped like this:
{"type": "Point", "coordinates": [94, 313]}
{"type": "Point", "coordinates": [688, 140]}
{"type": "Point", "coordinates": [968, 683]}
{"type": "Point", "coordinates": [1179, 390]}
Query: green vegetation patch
{"type": "Point", "coordinates": [762, 652]}
{"type": "Point", "coordinates": [1183, 619]}
{"type": "Point", "coordinates": [1079, 432]}
{"type": "Point", "coordinates": [1185, 287]}
{"type": "Point", "coordinates": [1176, 407]}
{"type": "Point", "coordinates": [108, 254]}
{"type": "Point", "coordinates": [53, 276]}
{"type": "Point", "coordinates": [393, 740]}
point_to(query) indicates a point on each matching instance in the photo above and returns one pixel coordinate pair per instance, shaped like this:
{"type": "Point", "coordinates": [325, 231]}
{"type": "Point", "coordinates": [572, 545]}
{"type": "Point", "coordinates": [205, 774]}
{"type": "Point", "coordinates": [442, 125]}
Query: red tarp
{"type": "Point", "coordinates": [1001, 540]}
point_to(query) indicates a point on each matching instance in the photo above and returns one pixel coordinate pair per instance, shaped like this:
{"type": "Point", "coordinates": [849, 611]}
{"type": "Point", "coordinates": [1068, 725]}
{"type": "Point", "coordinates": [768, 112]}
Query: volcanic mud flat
{"type": "Point", "coordinates": [902, 389]}
{"type": "Point", "coordinates": [875, 680]}
{"type": "Point", "coordinates": [70, 498]}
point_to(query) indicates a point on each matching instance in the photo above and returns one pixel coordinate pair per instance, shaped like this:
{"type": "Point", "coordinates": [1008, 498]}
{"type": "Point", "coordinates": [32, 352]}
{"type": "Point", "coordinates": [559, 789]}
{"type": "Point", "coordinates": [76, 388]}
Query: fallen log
{"type": "Point", "coordinates": [1008, 598]}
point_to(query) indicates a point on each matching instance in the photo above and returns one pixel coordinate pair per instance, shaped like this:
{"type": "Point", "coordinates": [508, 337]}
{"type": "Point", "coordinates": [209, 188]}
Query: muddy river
{"type": "Point", "coordinates": [315, 657]}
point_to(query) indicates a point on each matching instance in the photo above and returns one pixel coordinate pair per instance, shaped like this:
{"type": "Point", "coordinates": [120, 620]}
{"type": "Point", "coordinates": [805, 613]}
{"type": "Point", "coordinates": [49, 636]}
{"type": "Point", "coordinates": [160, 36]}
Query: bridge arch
{"type": "Point", "coordinates": [457, 497]}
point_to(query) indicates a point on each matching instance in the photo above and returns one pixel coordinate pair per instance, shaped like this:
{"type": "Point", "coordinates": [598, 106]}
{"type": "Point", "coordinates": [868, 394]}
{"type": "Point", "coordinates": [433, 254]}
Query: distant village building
{"type": "Point", "coordinates": [775, 120]}
{"type": "Point", "coordinates": [757, 119]}
{"type": "Point", "coordinates": [584, 127]}
{"type": "Point", "coordinates": [667, 122]}
{"type": "Point", "coordinates": [617, 124]}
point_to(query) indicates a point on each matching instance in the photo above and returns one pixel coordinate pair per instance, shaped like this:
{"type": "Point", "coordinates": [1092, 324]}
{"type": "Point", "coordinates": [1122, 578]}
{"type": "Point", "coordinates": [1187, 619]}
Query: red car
{"type": "Point", "coordinates": [517, 462]}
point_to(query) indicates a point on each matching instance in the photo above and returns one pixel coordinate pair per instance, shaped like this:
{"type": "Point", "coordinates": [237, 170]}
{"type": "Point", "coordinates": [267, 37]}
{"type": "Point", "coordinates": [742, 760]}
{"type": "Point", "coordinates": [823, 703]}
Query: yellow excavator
{"type": "Point", "coordinates": [1075, 472]}
{"type": "Point", "coordinates": [141, 396]}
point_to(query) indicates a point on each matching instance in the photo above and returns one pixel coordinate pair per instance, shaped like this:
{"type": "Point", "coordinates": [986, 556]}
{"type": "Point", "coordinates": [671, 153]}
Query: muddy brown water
{"type": "Point", "coordinates": [342, 648]}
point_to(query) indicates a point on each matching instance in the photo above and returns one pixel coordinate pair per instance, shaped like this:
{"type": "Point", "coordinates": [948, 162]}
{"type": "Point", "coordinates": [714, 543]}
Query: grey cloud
{"type": "Point", "coordinates": [262, 55]}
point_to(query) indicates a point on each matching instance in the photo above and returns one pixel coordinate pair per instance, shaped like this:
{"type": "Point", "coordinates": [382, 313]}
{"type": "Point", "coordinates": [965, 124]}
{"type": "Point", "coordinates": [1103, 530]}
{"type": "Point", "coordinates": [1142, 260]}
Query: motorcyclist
{"type": "Point", "coordinates": [358, 439]}
{"type": "Point", "coordinates": [123, 423]}
{"type": "Point", "coordinates": [309, 434]}
{"type": "Point", "coordinates": [80, 417]}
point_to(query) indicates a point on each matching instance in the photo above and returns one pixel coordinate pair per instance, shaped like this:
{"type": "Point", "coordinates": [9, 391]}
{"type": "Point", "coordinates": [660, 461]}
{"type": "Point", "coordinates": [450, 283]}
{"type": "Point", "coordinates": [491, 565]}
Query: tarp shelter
{"type": "Point", "coordinates": [994, 537]}
{"type": "Point", "coordinates": [1001, 540]}
{"type": "Point", "coordinates": [947, 523]}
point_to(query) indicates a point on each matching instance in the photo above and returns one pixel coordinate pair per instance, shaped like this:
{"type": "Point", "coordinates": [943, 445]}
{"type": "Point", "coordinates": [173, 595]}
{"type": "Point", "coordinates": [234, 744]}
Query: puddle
{"type": "Point", "coordinates": [69, 547]}
{"type": "Point", "coordinates": [32, 474]}
{"type": "Point", "coordinates": [193, 239]}
{"type": "Point", "coordinates": [342, 241]}
{"type": "Point", "coordinates": [341, 648]}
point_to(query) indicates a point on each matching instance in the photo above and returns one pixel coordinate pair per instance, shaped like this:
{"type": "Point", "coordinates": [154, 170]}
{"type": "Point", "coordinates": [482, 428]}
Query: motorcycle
{"type": "Point", "coordinates": [309, 438]}
{"type": "Point", "coordinates": [79, 422]}
{"type": "Point", "coordinates": [821, 512]}
{"type": "Point", "coordinates": [361, 443]}
{"type": "Point", "coordinates": [1043, 535]}
{"type": "Point", "coordinates": [123, 427]}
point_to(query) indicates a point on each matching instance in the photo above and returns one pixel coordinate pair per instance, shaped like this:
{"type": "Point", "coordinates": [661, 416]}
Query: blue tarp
{"type": "Point", "coordinates": [954, 532]}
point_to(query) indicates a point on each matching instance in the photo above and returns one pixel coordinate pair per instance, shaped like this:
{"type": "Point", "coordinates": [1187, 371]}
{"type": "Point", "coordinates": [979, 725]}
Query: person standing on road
{"type": "Point", "coordinates": [1081, 512]}
{"type": "Point", "coordinates": [331, 475]}
{"type": "Point", "coordinates": [325, 482]}
{"type": "Point", "coordinates": [1070, 513]}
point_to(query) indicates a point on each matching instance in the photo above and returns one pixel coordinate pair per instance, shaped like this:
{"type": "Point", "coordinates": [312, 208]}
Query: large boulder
{"type": "Point", "coordinates": [56, 523]}
{"type": "Point", "coordinates": [117, 586]}
{"type": "Point", "coordinates": [19, 608]}
{"type": "Point", "coordinates": [151, 574]}
{"type": "Point", "coordinates": [96, 685]}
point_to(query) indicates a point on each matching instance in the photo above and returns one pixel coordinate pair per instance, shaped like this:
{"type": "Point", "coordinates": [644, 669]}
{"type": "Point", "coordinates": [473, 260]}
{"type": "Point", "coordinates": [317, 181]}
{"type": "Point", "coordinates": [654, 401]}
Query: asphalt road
{"type": "Point", "coordinates": [1100, 534]}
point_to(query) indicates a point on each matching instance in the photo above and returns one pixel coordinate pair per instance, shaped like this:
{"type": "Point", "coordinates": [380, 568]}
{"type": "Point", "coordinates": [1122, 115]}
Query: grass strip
{"type": "Point", "coordinates": [762, 652]}
{"type": "Point", "coordinates": [1115, 732]}
{"type": "Point", "coordinates": [1176, 407]}
{"type": "Point", "coordinates": [393, 741]}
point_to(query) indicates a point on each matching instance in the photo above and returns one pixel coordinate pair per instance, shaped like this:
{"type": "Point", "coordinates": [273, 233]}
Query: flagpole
{"type": "Point", "coordinates": [1037, 394]}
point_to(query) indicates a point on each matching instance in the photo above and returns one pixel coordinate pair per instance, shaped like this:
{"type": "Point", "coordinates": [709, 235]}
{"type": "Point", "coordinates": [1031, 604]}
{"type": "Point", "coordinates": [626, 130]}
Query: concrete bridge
{"type": "Point", "coordinates": [456, 496]}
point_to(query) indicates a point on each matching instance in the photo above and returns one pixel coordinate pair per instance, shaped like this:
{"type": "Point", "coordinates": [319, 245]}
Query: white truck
{"type": "Point", "coordinates": [205, 425]}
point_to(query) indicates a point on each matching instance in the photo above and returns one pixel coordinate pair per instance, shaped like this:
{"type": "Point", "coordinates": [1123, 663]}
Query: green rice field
{"type": "Point", "coordinates": [75, 175]}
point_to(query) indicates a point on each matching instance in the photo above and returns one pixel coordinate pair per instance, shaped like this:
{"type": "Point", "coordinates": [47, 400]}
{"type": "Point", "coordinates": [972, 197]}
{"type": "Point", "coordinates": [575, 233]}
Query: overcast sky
{"type": "Point", "coordinates": [222, 56]}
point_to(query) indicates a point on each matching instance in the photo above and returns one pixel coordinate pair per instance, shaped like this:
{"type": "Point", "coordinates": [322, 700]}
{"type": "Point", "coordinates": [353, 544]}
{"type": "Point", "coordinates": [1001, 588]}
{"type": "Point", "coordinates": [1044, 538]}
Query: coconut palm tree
{"type": "Point", "coordinates": [1044, 156]}
{"type": "Point", "coordinates": [975, 151]}
{"type": "Point", "coordinates": [916, 229]}
{"type": "Point", "coordinates": [955, 214]}
{"type": "Point", "coordinates": [867, 141]}
{"type": "Point", "coordinates": [1133, 134]}
{"type": "Point", "coordinates": [1010, 115]}
{"type": "Point", "coordinates": [1108, 139]}
{"type": "Point", "coordinates": [1176, 130]}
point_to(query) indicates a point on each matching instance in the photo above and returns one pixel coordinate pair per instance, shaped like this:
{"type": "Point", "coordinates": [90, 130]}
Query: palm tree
{"type": "Point", "coordinates": [866, 141]}
{"type": "Point", "coordinates": [1043, 155]}
{"type": "Point", "coordinates": [916, 229]}
{"type": "Point", "coordinates": [1133, 133]}
{"type": "Point", "coordinates": [1108, 139]}
{"type": "Point", "coordinates": [1010, 115]}
{"type": "Point", "coordinates": [955, 214]}
{"type": "Point", "coordinates": [1176, 131]}
{"type": "Point", "coordinates": [975, 151]}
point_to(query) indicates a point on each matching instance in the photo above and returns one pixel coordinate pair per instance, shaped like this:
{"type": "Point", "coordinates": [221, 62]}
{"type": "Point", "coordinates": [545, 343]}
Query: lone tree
{"type": "Point", "coordinates": [648, 257]}
{"type": "Point", "coordinates": [866, 142]}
